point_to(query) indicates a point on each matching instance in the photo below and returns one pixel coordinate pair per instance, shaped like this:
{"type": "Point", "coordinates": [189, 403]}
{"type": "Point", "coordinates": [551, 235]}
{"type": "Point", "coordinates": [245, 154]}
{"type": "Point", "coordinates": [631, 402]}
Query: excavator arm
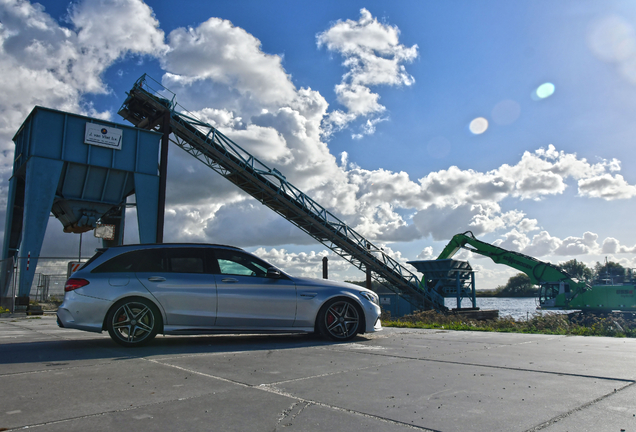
{"type": "Point", "coordinates": [552, 280]}
{"type": "Point", "coordinates": [537, 271]}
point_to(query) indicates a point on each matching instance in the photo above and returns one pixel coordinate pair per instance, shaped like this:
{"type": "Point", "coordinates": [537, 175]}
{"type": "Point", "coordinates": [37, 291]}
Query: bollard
{"type": "Point", "coordinates": [325, 268]}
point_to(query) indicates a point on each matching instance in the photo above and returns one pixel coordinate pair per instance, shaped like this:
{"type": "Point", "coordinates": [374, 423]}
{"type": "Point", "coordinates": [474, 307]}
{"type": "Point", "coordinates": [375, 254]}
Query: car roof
{"type": "Point", "coordinates": [169, 245]}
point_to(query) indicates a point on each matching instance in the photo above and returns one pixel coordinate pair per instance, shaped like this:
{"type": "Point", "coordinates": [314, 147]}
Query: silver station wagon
{"type": "Point", "coordinates": [137, 291]}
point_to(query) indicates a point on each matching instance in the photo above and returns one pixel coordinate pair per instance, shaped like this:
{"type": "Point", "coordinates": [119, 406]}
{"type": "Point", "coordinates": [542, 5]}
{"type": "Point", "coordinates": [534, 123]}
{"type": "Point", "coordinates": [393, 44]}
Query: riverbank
{"type": "Point", "coordinates": [576, 323]}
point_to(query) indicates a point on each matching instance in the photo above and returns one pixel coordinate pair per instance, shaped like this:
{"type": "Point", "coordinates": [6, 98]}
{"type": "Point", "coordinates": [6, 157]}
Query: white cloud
{"type": "Point", "coordinates": [513, 241]}
{"type": "Point", "coordinates": [426, 254]}
{"type": "Point", "coordinates": [613, 246]}
{"type": "Point", "coordinates": [358, 99]}
{"type": "Point", "coordinates": [44, 63]}
{"type": "Point", "coordinates": [227, 55]}
{"type": "Point", "coordinates": [607, 187]}
{"type": "Point", "coordinates": [571, 246]}
{"type": "Point", "coordinates": [373, 56]}
{"type": "Point", "coordinates": [307, 264]}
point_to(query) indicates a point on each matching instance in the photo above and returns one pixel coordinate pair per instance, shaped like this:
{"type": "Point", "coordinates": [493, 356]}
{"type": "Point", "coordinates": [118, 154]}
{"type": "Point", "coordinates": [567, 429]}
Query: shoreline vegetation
{"type": "Point", "coordinates": [613, 324]}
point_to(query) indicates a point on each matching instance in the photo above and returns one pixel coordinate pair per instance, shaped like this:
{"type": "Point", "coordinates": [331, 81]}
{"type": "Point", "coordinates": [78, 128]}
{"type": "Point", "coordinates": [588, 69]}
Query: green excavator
{"type": "Point", "coordinates": [557, 289]}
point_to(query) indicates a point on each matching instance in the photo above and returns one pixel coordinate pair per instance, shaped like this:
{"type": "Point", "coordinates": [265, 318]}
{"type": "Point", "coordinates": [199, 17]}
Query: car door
{"type": "Point", "coordinates": [180, 279]}
{"type": "Point", "coordinates": [247, 298]}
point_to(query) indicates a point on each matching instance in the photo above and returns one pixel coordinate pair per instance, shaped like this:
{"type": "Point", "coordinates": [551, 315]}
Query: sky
{"type": "Point", "coordinates": [411, 121]}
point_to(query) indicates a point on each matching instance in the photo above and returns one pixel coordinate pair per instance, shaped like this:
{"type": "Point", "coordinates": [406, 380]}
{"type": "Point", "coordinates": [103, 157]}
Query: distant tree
{"type": "Point", "coordinates": [610, 272]}
{"type": "Point", "coordinates": [577, 269]}
{"type": "Point", "coordinates": [517, 286]}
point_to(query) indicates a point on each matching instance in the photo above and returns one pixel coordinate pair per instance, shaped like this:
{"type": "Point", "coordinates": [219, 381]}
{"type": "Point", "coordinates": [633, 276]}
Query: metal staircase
{"type": "Point", "coordinates": [147, 105]}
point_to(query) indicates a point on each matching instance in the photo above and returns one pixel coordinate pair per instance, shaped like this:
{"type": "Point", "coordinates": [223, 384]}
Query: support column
{"type": "Point", "coordinates": [369, 285]}
{"type": "Point", "coordinates": [163, 173]}
{"type": "Point", "coordinates": [459, 289]}
{"type": "Point", "coordinates": [12, 236]}
{"type": "Point", "coordinates": [472, 284]}
{"type": "Point", "coordinates": [146, 195]}
{"type": "Point", "coordinates": [42, 178]}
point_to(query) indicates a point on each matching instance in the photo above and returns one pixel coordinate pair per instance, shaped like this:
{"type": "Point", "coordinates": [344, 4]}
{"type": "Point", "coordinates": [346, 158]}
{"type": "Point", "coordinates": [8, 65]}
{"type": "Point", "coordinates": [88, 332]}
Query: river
{"type": "Point", "coordinates": [516, 307]}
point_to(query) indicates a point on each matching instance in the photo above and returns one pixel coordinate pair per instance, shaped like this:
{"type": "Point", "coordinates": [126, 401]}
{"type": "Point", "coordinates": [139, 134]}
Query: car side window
{"type": "Point", "coordinates": [150, 260]}
{"type": "Point", "coordinates": [184, 260]}
{"type": "Point", "coordinates": [171, 260]}
{"type": "Point", "coordinates": [145, 260]}
{"type": "Point", "coordinates": [239, 264]}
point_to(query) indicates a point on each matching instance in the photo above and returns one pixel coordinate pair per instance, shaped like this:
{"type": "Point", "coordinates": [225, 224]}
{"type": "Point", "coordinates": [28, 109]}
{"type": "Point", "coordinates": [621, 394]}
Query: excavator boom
{"type": "Point", "coordinates": [557, 289]}
{"type": "Point", "coordinates": [537, 271]}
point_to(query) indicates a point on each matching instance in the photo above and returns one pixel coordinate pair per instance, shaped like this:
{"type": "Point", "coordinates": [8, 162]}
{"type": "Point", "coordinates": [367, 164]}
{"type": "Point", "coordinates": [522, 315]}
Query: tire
{"type": "Point", "coordinates": [339, 320]}
{"type": "Point", "coordinates": [133, 322]}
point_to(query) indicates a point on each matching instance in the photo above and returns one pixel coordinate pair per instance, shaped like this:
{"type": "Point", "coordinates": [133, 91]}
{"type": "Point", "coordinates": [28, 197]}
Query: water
{"type": "Point", "coordinates": [516, 307]}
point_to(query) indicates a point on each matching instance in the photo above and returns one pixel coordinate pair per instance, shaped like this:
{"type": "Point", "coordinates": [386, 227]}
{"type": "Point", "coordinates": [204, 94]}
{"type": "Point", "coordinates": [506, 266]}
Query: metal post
{"type": "Point", "coordinates": [15, 278]}
{"type": "Point", "coordinates": [163, 172]}
{"type": "Point", "coordinates": [472, 282]}
{"type": "Point", "coordinates": [459, 298]}
{"type": "Point", "coordinates": [368, 269]}
{"type": "Point", "coordinates": [325, 268]}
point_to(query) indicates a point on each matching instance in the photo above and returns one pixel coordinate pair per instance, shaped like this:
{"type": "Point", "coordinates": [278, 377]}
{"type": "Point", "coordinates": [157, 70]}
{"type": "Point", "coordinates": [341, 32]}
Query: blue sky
{"type": "Point", "coordinates": [366, 106]}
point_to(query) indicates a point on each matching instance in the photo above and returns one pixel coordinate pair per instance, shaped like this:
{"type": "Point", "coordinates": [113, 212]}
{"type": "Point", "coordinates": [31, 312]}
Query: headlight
{"type": "Point", "coordinates": [372, 297]}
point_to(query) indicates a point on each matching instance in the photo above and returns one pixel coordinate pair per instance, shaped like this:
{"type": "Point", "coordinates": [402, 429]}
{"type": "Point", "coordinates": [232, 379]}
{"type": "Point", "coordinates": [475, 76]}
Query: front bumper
{"type": "Point", "coordinates": [372, 318]}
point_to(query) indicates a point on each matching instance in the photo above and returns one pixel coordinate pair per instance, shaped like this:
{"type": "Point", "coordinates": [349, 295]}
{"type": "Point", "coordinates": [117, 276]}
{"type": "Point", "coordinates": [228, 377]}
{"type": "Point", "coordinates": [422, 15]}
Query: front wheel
{"type": "Point", "coordinates": [133, 322]}
{"type": "Point", "coordinates": [339, 320]}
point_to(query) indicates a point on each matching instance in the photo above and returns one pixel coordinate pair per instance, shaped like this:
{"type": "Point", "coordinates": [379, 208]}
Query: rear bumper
{"type": "Point", "coordinates": [82, 312]}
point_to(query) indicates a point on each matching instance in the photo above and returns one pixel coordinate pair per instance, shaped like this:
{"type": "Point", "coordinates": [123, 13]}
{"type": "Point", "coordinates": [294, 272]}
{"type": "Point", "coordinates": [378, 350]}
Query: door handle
{"type": "Point", "coordinates": [229, 280]}
{"type": "Point", "coordinates": [157, 279]}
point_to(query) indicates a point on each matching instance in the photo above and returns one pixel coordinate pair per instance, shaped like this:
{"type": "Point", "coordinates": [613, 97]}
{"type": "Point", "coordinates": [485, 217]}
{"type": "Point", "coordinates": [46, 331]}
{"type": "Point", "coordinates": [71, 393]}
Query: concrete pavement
{"type": "Point", "coordinates": [54, 379]}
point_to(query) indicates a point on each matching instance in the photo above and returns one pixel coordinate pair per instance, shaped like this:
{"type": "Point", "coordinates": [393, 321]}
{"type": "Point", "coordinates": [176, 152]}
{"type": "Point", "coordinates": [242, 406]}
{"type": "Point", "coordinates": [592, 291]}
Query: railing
{"type": "Point", "coordinates": [48, 283]}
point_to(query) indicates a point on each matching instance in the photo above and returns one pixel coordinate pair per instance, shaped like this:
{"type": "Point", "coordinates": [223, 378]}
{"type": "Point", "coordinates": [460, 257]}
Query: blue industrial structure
{"type": "Point", "coordinates": [394, 304]}
{"type": "Point", "coordinates": [150, 105]}
{"type": "Point", "coordinates": [450, 278]}
{"type": "Point", "coordinates": [82, 170]}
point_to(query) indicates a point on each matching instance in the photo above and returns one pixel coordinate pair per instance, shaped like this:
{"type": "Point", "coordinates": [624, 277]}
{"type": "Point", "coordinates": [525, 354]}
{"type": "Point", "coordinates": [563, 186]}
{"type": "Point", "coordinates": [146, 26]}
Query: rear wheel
{"type": "Point", "coordinates": [133, 322]}
{"type": "Point", "coordinates": [339, 320]}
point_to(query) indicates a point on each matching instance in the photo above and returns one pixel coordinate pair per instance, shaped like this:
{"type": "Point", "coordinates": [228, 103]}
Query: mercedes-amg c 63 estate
{"type": "Point", "coordinates": [137, 291]}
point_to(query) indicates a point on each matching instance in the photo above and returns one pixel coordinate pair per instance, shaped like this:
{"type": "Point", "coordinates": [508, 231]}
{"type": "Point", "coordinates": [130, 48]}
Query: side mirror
{"type": "Point", "coordinates": [273, 273]}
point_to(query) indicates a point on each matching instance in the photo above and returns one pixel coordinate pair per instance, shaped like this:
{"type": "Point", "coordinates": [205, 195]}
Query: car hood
{"type": "Point", "coordinates": [309, 282]}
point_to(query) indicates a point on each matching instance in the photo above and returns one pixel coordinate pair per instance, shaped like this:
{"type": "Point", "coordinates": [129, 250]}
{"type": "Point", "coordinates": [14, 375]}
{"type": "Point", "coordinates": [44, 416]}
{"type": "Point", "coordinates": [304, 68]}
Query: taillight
{"type": "Point", "coordinates": [73, 284]}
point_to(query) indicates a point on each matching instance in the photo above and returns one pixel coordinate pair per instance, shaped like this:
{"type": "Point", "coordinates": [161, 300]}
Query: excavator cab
{"type": "Point", "coordinates": [549, 291]}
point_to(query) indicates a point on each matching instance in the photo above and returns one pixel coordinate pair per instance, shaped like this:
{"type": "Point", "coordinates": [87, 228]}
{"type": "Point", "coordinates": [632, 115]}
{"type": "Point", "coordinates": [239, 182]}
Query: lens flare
{"type": "Point", "coordinates": [543, 91]}
{"type": "Point", "coordinates": [478, 126]}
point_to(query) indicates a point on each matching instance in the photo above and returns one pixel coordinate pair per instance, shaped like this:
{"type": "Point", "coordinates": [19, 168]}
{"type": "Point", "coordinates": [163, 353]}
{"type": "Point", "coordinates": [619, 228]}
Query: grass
{"type": "Point", "coordinates": [579, 324]}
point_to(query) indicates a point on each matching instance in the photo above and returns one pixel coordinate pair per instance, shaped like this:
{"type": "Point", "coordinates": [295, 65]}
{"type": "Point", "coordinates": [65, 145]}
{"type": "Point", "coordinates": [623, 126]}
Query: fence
{"type": "Point", "coordinates": [48, 283]}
